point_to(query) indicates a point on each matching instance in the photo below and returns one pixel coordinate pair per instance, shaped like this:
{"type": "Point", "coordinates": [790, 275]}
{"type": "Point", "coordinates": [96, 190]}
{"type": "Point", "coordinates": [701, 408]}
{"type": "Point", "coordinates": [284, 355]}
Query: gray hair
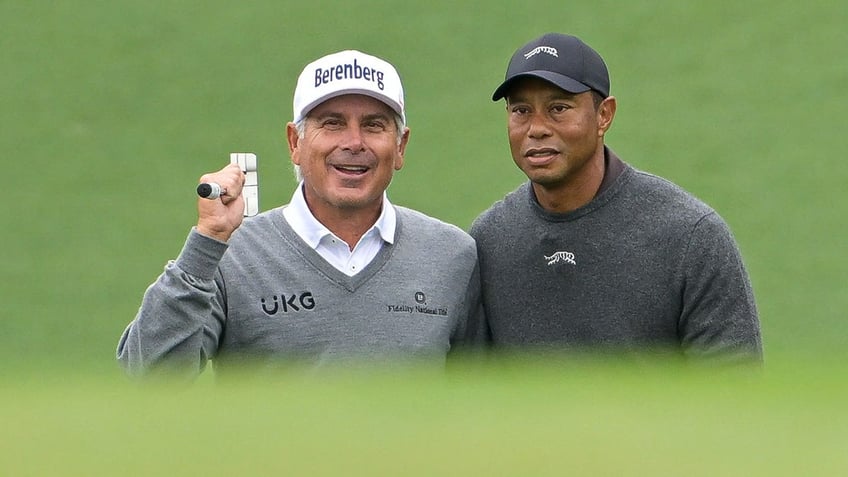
{"type": "Point", "coordinates": [301, 131]}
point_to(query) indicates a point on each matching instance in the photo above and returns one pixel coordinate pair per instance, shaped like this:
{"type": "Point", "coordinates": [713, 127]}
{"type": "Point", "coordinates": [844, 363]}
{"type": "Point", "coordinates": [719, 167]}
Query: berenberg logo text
{"type": "Point", "coordinates": [348, 71]}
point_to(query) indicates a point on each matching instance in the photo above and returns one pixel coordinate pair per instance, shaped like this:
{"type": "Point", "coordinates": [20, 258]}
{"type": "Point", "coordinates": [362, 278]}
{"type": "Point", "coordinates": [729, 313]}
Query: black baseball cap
{"type": "Point", "coordinates": [563, 60]}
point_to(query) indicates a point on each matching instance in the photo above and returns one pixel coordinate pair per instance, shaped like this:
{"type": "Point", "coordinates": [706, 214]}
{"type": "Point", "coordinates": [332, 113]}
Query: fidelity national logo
{"type": "Point", "coordinates": [420, 306]}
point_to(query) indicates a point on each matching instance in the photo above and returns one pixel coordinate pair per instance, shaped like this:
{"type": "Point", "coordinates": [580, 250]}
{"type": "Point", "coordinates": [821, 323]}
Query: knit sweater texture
{"type": "Point", "coordinates": [644, 266]}
{"type": "Point", "coordinates": [266, 298]}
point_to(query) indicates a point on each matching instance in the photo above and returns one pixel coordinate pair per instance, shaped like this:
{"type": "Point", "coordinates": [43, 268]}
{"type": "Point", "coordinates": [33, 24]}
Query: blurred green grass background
{"type": "Point", "coordinates": [112, 110]}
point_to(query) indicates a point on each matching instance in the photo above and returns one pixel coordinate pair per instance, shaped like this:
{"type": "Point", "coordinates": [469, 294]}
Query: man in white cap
{"type": "Point", "coordinates": [338, 274]}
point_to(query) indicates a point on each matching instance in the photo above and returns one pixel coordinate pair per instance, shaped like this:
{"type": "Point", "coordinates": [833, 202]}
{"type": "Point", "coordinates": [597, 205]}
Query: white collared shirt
{"type": "Point", "coordinates": [333, 249]}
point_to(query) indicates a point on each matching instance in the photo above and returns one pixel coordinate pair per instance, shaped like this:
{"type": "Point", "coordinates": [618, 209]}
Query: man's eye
{"type": "Point", "coordinates": [559, 108]}
{"type": "Point", "coordinates": [375, 126]}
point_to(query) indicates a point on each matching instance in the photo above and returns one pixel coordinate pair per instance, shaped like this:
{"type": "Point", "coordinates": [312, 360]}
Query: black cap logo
{"type": "Point", "coordinates": [541, 49]}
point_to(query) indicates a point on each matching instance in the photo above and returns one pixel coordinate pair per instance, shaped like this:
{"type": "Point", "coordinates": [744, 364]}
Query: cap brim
{"type": "Point", "coordinates": [394, 105]}
{"type": "Point", "coordinates": [561, 81]}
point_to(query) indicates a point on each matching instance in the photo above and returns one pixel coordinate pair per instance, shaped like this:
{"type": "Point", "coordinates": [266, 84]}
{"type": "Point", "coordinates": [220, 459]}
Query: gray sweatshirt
{"type": "Point", "coordinates": [266, 298]}
{"type": "Point", "coordinates": [643, 266]}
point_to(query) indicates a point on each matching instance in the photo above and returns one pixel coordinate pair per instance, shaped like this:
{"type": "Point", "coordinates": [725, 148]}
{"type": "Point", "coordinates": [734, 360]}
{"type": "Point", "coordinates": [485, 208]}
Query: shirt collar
{"type": "Point", "coordinates": [305, 224]}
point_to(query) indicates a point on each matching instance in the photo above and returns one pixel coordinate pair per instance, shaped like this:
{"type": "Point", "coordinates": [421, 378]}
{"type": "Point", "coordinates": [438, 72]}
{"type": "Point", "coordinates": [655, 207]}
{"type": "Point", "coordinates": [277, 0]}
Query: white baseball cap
{"type": "Point", "coordinates": [347, 72]}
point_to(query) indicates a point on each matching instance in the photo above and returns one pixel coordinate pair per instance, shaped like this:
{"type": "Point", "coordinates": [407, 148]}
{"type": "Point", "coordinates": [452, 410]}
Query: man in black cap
{"type": "Point", "coordinates": [592, 254]}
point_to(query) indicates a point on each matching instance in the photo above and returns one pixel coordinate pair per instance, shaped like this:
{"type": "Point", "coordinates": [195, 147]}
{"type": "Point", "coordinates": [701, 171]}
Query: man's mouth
{"type": "Point", "coordinates": [351, 169]}
{"type": "Point", "coordinates": [540, 155]}
{"type": "Point", "coordinates": [543, 152]}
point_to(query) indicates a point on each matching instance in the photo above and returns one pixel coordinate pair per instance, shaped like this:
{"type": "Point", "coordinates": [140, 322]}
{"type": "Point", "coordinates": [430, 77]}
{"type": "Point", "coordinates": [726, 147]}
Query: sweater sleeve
{"type": "Point", "coordinates": [473, 331]}
{"type": "Point", "coordinates": [181, 316]}
{"type": "Point", "coordinates": [470, 341]}
{"type": "Point", "coordinates": [719, 320]}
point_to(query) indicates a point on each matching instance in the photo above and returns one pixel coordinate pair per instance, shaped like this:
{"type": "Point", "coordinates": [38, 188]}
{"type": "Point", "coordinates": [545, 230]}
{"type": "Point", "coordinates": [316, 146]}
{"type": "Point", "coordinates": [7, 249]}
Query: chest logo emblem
{"type": "Point", "coordinates": [558, 257]}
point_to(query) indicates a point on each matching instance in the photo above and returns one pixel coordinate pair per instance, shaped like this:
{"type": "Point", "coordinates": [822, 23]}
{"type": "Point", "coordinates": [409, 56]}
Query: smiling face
{"type": "Point", "coordinates": [347, 155]}
{"type": "Point", "coordinates": [556, 139]}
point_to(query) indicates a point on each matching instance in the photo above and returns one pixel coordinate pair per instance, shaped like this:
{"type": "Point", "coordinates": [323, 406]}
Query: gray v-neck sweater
{"type": "Point", "coordinates": [267, 298]}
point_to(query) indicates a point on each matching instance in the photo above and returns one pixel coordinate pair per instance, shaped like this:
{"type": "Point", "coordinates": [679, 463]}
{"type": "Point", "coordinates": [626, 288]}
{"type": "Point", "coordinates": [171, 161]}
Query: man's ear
{"type": "Point", "coordinates": [404, 140]}
{"type": "Point", "coordinates": [293, 138]}
{"type": "Point", "coordinates": [606, 113]}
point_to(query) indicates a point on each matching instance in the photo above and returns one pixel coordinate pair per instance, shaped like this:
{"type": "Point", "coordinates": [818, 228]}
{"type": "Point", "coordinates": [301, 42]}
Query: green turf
{"type": "Point", "coordinates": [526, 418]}
{"type": "Point", "coordinates": [110, 111]}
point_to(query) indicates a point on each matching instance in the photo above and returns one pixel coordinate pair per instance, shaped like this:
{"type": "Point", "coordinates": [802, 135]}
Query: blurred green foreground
{"type": "Point", "coordinates": [518, 417]}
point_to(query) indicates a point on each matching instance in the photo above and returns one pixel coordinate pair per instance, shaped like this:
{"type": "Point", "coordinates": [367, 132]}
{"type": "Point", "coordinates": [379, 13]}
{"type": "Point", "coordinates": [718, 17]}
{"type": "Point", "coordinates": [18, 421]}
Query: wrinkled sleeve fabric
{"type": "Point", "coordinates": [473, 334]}
{"type": "Point", "coordinates": [181, 317]}
{"type": "Point", "coordinates": [719, 320]}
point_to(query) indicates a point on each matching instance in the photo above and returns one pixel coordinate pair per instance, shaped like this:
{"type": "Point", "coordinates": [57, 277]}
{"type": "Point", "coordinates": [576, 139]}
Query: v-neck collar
{"type": "Point", "coordinates": [313, 258]}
